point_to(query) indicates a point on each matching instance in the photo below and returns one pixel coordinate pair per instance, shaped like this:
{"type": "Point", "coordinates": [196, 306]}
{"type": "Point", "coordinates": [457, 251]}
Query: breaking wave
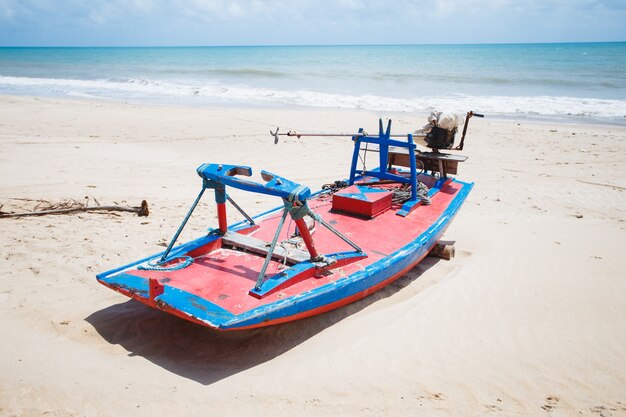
{"type": "Point", "coordinates": [160, 91]}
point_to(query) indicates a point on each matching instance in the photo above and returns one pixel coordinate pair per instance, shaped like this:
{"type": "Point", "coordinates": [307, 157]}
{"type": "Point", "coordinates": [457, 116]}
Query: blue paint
{"type": "Point", "coordinates": [242, 224]}
{"type": "Point", "coordinates": [211, 176]}
{"type": "Point", "coordinates": [362, 194]}
{"type": "Point", "coordinates": [410, 205]}
{"type": "Point", "coordinates": [384, 141]}
{"type": "Point", "coordinates": [279, 279]}
{"type": "Point", "coordinates": [130, 283]}
{"type": "Point", "coordinates": [218, 175]}
{"type": "Point", "coordinates": [194, 306]}
{"type": "Point", "coordinates": [180, 250]}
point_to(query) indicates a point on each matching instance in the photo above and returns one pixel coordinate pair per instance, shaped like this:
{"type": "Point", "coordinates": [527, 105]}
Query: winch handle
{"type": "Point", "coordinates": [469, 116]}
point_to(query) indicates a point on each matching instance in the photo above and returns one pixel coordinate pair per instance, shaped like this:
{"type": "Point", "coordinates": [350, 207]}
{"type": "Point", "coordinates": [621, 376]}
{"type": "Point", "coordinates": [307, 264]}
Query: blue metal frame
{"type": "Point", "coordinates": [384, 141]}
{"type": "Point", "coordinates": [217, 176]}
{"type": "Point", "coordinates": [182, 226]}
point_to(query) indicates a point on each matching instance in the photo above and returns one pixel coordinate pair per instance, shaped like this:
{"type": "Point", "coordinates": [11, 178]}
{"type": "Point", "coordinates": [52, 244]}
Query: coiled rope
{"type": "Point", "coordinates": [158, 265]}
{"type": "Point", "coordinates": [402, 194]}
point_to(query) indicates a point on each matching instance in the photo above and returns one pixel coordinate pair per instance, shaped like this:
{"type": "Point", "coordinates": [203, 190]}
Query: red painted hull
{"type": "Point", "coordinates": [214, 290]}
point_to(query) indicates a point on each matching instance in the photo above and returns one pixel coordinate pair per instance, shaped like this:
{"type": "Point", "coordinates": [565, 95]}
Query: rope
{"type": "Point", "coordinates": [334, 187]}
{"type": "Point", "coordinates": [399, 195]}
{"type": "Point", "coordinates": [402, 194]}
{"type": "Point", "coordinates": [422, 193]}
{"type": "Point", "coordinates": [282, 245]}
{"type": "Point", "coordinates": [295, 192]}
{"type": "Point", "coordinates": [157, 265]}
{"type": "Point", "coordinates": [367, 144]}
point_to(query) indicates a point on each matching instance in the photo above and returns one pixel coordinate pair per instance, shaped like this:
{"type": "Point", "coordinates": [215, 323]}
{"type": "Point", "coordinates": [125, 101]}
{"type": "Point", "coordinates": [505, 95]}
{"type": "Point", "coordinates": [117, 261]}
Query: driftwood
{"type": "Point", "coordinates": [75, 207]}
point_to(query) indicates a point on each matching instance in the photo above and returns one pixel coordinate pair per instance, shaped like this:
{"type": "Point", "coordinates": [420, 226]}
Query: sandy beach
{"type": "Point", "coordinates": [529, 319]}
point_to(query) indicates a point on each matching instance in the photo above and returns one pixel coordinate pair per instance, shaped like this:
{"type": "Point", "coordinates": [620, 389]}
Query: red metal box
{"type": "Point", "coordinates": [362, 201]}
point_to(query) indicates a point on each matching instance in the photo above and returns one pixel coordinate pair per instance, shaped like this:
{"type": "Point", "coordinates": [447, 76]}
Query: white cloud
{"type": "Point", "coordinates": [103, 14]}
{"type": "Point", "coordinates": [145, 5]}
{"type": "Point", "coordinates": [6, 12]}
{"type": "Point", "coordinates": [351, 4]}
{"type": "Point", "coordinates": [315, 21]}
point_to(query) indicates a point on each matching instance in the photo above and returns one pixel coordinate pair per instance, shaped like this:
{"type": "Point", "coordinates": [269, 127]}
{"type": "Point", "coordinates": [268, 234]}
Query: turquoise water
{"type": "Point", "coordinates": [570, 81]}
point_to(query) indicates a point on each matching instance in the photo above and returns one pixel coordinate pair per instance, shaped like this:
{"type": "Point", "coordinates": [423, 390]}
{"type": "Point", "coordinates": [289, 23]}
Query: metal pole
{"type": "Point", "coordinates": [259, 281]}
{"type": "Point", "coordinates": [221, 218]}
{"type": "Point", "coordinates": [412, 158]}
{"type": "Point", "coordinates": [306, 237]}
{"type": "Point", "coordinates": [362, 135]}
{"type": "Point", "coordinates": [240, 210]}
{"type": "Point", "coordinates": [180, 228]}
{"type": "Point", "coordinates": [338, 233]}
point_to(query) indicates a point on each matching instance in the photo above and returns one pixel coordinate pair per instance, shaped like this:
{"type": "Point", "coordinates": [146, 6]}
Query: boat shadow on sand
{"type": "Point", "coordinates": [207, 356]}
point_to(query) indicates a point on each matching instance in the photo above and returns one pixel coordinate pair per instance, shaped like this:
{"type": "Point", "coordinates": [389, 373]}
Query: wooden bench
{"type": "Point", "coordinates": [236, 241]}
{"type": "Point", "coordinates": [444, 163]}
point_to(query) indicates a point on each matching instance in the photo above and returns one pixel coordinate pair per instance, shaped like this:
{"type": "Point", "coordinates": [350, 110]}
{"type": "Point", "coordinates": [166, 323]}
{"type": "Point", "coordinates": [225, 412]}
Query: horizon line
{"type": "Point", "coordinates": [311, 45]}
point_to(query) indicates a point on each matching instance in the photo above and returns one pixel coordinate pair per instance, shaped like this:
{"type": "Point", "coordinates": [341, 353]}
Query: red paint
{"type": "Point", "coordinates": [221, 217]}
{"type": "Point", "coordinates": [306, 237]}
{"type": "Point", "coordinates": [208, 248]}
{"type": "Point", "coordinates": [358, 201]}
{"type": "Point", "coordinates": [154, 304]}
{"type": "Point", "coordinates": [156, 288]}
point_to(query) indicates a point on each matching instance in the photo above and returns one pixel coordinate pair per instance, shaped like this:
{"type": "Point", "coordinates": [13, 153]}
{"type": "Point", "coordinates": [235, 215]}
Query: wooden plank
{"type": "Point", "coordinates": [252, 244]}
{"type": "Point", "coordinates": [429, 159]}
{"type": "Point", "coordinates": [442, 156]}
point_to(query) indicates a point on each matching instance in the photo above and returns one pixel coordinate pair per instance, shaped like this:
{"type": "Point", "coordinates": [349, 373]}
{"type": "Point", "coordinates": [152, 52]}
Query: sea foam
{"type": "Point", "coordinates": [161, 91]}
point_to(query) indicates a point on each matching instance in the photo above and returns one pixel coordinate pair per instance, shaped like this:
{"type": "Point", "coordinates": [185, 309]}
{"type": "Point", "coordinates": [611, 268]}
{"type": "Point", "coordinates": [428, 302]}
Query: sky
{"type": "Point", "coordinates": [307, 22]}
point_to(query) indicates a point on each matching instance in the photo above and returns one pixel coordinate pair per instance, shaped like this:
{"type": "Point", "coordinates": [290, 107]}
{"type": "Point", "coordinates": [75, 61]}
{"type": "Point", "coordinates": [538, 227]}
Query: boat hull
{"type": "Point", "coordinates": [322, 295]}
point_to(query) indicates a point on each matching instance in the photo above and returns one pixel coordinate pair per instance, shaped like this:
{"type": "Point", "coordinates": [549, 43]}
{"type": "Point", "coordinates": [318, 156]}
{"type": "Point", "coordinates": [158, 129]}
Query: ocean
{"type": "Point", "coordinates": [567, 81]}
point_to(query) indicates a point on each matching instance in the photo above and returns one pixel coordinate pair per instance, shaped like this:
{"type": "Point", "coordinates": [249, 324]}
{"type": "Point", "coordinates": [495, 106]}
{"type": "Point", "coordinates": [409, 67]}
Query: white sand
{"type": "Point", "coordinates": [528, 320]}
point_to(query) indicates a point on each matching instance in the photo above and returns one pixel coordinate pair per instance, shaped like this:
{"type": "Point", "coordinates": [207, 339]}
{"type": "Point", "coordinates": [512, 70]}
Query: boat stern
{"type": "Point", "coordinates": [157, 294]}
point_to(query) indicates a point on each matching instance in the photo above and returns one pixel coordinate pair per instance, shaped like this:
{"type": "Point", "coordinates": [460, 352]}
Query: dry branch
{"type": "Point", "coordinates": [75, 207]}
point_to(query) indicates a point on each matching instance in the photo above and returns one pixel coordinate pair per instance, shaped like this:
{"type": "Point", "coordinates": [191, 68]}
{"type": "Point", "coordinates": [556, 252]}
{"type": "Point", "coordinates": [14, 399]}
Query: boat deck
{"type": "Point", "coordinates": [224, 276]}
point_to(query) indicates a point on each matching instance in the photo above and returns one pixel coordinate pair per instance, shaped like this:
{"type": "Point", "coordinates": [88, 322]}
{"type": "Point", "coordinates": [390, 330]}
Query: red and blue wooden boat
{"type": "Point", "coordinates": [278, 267]}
